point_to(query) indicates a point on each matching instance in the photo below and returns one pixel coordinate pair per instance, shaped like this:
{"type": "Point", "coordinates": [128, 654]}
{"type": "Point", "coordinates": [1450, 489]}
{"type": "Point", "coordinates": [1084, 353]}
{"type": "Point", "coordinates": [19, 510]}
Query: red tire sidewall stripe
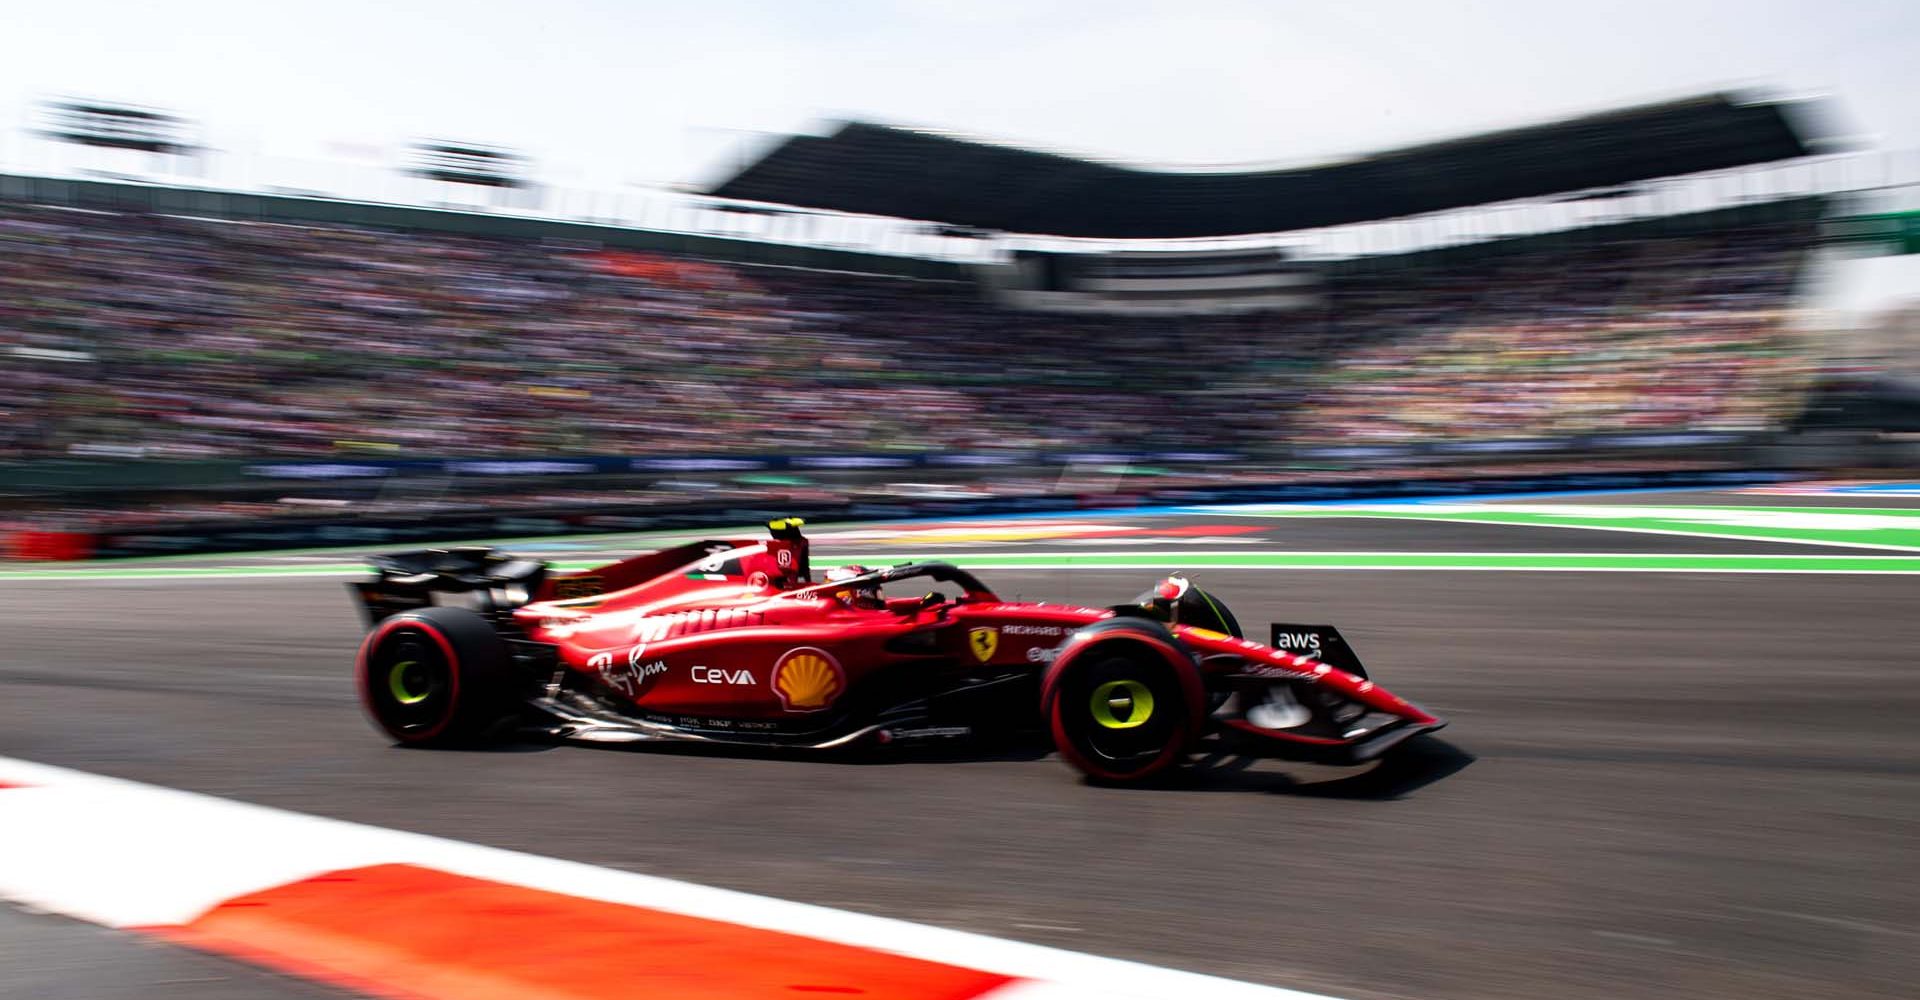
{"type": "Point", "coordinates": [361, 664]}
{"type": "Point", "coordinates": [1190, 684]}
{"type": "Point", "coordinates": [1175, 747]}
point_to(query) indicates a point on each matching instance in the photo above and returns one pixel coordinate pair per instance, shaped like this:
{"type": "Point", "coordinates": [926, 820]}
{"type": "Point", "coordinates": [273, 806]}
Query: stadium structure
{"type": "Point", "coordinates": [944, 321]}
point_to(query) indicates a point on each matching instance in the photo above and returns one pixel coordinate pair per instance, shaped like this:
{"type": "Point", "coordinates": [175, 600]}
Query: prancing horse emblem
{"type": "Point", "coordinates": [984, 641]}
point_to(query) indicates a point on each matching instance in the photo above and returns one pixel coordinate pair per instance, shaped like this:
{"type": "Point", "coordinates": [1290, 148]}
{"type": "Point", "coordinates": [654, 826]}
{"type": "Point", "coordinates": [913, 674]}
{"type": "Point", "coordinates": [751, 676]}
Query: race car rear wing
{"type": "Point", "coordinates": [488, 580]}
{"type": "Point", "coordinates": [476, 577]}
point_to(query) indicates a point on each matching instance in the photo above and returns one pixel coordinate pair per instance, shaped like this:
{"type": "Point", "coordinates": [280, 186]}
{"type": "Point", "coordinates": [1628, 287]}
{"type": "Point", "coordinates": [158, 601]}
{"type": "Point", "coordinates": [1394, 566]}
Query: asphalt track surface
{"type": "Point", "coordinates": [1655, 785]}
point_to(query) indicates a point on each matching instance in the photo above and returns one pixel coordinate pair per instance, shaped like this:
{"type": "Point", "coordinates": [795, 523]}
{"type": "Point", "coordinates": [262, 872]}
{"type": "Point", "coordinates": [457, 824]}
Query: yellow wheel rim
{"type": "Point", "coordinates": [1121, 704]}
{"type": "Point", "coordinates": [398, 687]}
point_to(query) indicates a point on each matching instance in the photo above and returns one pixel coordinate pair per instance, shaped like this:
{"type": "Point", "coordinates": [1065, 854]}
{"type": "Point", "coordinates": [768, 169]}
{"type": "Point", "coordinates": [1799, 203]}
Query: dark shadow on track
{"type": "Point", "coordinates": [1421, 762]}
{"type": "Point", "coordinates": [1765, 760]}
{"type": "Point", "coordinates": [959, 753]}
{"type": "Point", "coordinates": [502, 746]}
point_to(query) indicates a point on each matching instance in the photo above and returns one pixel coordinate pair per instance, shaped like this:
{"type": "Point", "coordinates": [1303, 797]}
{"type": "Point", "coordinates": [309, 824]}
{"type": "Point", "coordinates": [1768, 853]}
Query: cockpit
{"type": "Point", "coordinates": [860, 587]}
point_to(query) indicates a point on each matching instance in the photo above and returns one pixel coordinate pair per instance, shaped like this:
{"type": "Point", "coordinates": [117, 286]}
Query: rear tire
{"type": "Point", "coordinates": [1119, 715]}
{"type": "Point", "coordinates": [435, 677]}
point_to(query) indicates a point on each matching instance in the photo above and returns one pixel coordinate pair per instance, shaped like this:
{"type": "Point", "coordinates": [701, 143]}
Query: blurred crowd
{"type": "Point", "coordinates": [1619, 336]}
{"type": "Point", "coordinates": [139, 336]}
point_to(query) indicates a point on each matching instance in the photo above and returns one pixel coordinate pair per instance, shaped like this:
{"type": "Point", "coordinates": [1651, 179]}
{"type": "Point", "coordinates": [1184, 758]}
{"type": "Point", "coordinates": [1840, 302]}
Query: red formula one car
{"type": "Point", "coordinates": [733, 642]}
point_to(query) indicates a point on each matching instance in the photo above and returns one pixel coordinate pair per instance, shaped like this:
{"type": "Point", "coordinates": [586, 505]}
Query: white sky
{"type": "Point", "coordinates": [607, 91]}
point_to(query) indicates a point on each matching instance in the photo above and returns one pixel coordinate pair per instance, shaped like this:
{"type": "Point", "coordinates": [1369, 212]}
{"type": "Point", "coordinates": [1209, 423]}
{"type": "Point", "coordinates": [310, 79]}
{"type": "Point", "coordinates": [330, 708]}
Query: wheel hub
{"type": "Point", "coordinates": [1122, 704]}
{"type": "Point", "coordinates": [408, 684]}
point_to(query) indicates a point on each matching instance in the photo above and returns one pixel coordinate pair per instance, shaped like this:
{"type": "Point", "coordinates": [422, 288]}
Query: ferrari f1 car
{"type": "Point", "coordinates": [734, 642]}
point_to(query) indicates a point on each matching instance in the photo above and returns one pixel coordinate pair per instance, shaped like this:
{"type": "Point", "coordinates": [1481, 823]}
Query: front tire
{"type": "Point", "coordinates": [435, 677]}
{"type": "Point", "coordinates": [1119, 715]}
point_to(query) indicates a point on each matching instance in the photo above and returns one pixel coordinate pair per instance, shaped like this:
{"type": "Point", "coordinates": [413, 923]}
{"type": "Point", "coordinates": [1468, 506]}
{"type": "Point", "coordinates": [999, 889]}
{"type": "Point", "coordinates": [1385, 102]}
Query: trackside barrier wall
{"type": "Point", "coordinates": [53, 546]}
{"type": "Point", "coordinates": [121, 474]}
{"type": "Point", "coordinates": [280, 533]}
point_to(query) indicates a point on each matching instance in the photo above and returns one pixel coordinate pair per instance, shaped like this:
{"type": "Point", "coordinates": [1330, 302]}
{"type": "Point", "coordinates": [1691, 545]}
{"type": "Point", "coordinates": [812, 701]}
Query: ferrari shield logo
{"type": "Point", "coordinates": [983, 641]}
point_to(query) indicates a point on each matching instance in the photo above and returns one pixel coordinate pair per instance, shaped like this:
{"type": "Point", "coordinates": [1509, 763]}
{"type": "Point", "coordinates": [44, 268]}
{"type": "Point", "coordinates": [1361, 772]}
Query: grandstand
{"type": "Point", "coordinates": [142, 336]}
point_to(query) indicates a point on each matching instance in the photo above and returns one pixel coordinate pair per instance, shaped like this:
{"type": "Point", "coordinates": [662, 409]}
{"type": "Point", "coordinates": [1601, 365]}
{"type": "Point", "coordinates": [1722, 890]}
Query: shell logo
{"type": "Point", "coordinates": [807, 679]}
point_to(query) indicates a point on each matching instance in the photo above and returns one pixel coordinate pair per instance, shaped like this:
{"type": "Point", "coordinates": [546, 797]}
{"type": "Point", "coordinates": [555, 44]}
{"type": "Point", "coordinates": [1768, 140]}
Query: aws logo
{"type": "Point", "coordinates": [1297, 640]}
{"type": "Point", "coordinates": [807, 679]}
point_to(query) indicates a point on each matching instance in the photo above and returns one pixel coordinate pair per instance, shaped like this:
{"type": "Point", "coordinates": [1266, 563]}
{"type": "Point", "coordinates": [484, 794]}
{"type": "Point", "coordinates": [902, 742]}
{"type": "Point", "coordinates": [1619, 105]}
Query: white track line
{"type": "Point", "coordinates": [1452, 519]}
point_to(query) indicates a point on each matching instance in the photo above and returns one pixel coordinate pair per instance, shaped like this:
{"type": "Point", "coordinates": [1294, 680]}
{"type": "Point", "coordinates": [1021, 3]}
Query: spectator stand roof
{"type": "Point", "coordinates": [871, 169]}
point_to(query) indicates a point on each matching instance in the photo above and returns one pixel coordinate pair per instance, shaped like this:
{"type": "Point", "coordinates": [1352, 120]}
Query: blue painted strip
{"type": "Point", "coordinates": [1188, 509]}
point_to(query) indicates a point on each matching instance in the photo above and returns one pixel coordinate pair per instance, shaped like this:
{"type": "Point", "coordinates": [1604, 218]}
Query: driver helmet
{"type": "Point", "coordinates": [864, 596]}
